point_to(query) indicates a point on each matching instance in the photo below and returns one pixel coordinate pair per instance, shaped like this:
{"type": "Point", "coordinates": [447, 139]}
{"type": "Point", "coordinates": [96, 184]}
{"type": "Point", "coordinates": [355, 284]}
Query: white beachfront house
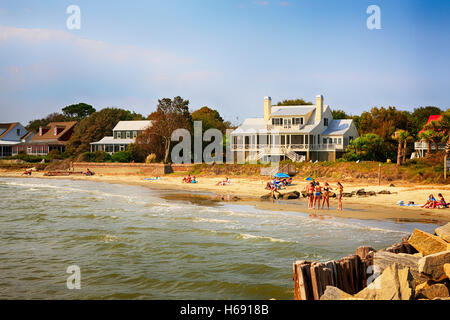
{"type": "Point", "coordinates": [124, 133]}
{"type": "Point", "coordinates": [12, 134]}
{"type": "Point", "coordinates": [300, 133]}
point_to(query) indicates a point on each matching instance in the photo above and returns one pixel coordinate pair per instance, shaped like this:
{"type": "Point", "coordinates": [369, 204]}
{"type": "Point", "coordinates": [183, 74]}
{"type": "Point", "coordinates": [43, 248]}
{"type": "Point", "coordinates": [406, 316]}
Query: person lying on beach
{"type": "Point", "coordinates": [88, 172]}
{"type": "Point", "coordinates": [194, 180]}
{"type": "Point", "coordinates": [442, 203]}
{"type": "Point", "coordinates": [224, 182]}
{"type": "Point", "coordinates": [431, 202]}
{"type": "Point", "coordinates": [27, 172]}
{"type": "Point", "coordinates": [187, 179]}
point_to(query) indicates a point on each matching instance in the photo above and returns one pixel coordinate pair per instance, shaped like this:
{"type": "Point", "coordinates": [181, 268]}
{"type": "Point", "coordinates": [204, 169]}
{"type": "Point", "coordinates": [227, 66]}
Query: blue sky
{"type": "Point", "coordinates": [226, 54]}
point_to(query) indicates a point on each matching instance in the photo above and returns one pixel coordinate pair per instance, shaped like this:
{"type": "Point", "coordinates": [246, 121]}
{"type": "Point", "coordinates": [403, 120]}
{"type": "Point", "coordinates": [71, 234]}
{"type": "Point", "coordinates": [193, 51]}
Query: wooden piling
{"type": "Point", "coordinates": [348, 274]}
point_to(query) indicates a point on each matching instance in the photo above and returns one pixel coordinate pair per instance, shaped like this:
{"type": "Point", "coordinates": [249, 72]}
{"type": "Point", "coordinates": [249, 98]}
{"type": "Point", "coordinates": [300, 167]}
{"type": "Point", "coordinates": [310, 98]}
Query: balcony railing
{"type": "Point", "coordinates": [293, 147]}
{"type": "Point", "coordinates": [424, 145]}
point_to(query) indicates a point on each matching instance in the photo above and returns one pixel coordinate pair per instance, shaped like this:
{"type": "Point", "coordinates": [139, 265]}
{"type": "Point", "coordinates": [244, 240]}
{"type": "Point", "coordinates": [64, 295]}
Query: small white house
{"type": "Point", "coordinates": [11, 134]}
{"type": "Point", "coordinates": [300, 133]}
{"type": "Point", "coordinates": [124, 133]}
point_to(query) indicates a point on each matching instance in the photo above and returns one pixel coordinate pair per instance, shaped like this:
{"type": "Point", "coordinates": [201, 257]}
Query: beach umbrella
{"type": "Point", "coordinates": [282, 175]}
{"type": "Point", "coordinates": [309, 179]}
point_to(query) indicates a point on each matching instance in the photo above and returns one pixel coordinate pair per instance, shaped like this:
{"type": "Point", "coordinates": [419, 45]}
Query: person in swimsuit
{"type": "Point", "coordinates": [326, 195]}
{"type": "Point", "coordinates": [317, 195]}
{"type": "Point", "coordinates": [310, 193]}
{"type": "Point", "coordinates": [431, 202]}
{"type": "Point", "coordinates": [339, 195]}
{"type": "Point", "coordinates": [442, 203]}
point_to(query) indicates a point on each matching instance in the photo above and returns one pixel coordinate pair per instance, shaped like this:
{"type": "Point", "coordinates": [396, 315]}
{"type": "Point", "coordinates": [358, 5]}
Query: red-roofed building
{"type": "Point", "coordinates": [421, 147]}
{"type": "Point", "coordinates": [54, 136]}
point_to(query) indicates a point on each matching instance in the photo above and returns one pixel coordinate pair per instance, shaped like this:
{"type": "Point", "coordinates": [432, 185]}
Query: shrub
{"type": "Point", "coordinates": [121, 156]}
{"type": "Point", "coordinates": [97, 156]}
{"type": "Point", "coordinates": [54, 154]}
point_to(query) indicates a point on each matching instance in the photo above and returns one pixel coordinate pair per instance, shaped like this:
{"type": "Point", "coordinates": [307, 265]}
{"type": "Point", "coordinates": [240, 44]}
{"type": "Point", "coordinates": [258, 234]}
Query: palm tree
{"type": "Point", "coordinates": [400, 136]}
{"type": "Point", "coordinates": [445, 125]}
{"type": "Point", "coordinates": [436, 133]}
{"type": "Point", "coordinates": [405, 145]}
{"type": "Point", "coordinates": [426, 136]}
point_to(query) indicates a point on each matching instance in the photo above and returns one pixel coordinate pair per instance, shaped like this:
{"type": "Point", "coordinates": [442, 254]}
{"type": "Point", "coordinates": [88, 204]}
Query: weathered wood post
{"type": "Point", "coordinates": [379, 174]}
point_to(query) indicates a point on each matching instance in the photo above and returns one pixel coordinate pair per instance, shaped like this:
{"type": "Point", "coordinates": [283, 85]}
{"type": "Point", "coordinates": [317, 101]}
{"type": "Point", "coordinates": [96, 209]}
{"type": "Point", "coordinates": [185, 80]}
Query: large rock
{"type": "Point", "coordinates": [291, 195]}
{"type": "Point", "coordinates": [333, 293]}
{"type": "Point", "coordinates": [444, 232]}
{"type": "Point", "coordinates": [431, 291]}
{"type": "Point", "coordinates": [427, 243]}
{"type": "Point", "coordinates": [384, 259]}
{"type": "Point", "coordinates": [447, 269]}
{"type": "Point", "coordinates": [393, 284]}
{"type": "Point", "coordinates": [432, 265]}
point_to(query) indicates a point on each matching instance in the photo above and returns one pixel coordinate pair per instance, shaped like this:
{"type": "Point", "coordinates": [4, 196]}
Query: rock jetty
{"type": "Point", "coordinates": [418, 268]}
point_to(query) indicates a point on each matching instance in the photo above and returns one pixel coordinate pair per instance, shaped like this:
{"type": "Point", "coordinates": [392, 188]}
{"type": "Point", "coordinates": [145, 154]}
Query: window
{"type": "Point", "coordinates": [128, 134]}
{"type": "Point", "coordinates": [324, 140]}
{"type": "Point", "coordinates": [134, 134]}
{"type": "Point", "coordinates": [335, 140]}
{"type": "Point", "coordinates": [340, 141]}
{"type": "Point", "coordinates": [287, 123]}
{"type": "Point", "coordinates": [119, 135]}
{"type": "Point", "coordinates": [325, 122]}
{"type": "Point", "coordinates": [295, 121]}
{"type": "Point", "coordinates": [18, 132]}
{"type": "Point", "coordinates": [277, 121]}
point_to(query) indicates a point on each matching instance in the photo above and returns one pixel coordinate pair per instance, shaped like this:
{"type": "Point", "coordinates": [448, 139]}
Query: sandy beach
{"type": "Point", "coordinates": [250, 189]}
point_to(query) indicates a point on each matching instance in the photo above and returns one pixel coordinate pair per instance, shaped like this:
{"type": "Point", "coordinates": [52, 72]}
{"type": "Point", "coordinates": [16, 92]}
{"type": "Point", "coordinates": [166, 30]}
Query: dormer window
{"type": "Point", "coordinates": [325, 122]}
{"type": "Point", "coordinates": [18, 132]}
{"type": "Point", "coordinates": [277, 121]}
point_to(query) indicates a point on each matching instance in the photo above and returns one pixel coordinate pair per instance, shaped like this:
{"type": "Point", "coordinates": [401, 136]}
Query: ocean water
{"type": "Point", "coordinates": [132, 242]}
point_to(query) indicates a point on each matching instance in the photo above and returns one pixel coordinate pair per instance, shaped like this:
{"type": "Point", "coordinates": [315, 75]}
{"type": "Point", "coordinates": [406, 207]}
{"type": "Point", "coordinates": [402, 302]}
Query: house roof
{"type": "Point", "coordinates": [134, 125]}
{"type": "Point", "coordinates": [292, 110]}
{"type": "Point", "coordinates": [27, 135]}
{"type": "Point", "coordinates": [431, 118]}
{"type": "Point", "coordinates": [50, 136]}
{"type": "Point", "coordinates": [6, 127]}
{"type": "Point", "coordinates": [337, 127]}
{"type": "Point", "coordinates": [111, 140]}
{"type": "Point", "coordinates": [252, 125]}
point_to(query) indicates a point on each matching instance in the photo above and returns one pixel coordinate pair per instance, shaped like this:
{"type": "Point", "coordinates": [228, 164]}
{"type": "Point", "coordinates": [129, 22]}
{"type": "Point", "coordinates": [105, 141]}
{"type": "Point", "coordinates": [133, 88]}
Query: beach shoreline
{"type": "Point", "coordinates": [248, 190]}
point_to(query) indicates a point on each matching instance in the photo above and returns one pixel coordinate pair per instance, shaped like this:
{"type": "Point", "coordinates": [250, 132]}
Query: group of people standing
{"type": "Point", "coordinates": [318, 195]}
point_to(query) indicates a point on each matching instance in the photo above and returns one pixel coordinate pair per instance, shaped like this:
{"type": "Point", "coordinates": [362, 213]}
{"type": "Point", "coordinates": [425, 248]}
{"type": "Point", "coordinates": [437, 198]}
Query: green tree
{"type": "Point", "coordinates": [401, 136]}
{"type": "Point", "coordinates": [368, 147]}
{"type": "Point", "coordinates": [340, 114]}
{"type": "Point", "coordinates": [169, 116]}
{"type": "Point", "coordinates": [420, 116]}
{"type": "Point", "coordinates": [78, 111]}
{"type": "Point", "coordinates": [294, 102]}
{"type": "Point", "coordinates": [437, 133]}
{"type": "Point", "coordinates": [96, 126]}
{"type": "Point", "coordinates": [426, 137]}
{"type": "Point", "coordinates": [52, 117]}
{"type": "Point", "coordinates": [210, 118]}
